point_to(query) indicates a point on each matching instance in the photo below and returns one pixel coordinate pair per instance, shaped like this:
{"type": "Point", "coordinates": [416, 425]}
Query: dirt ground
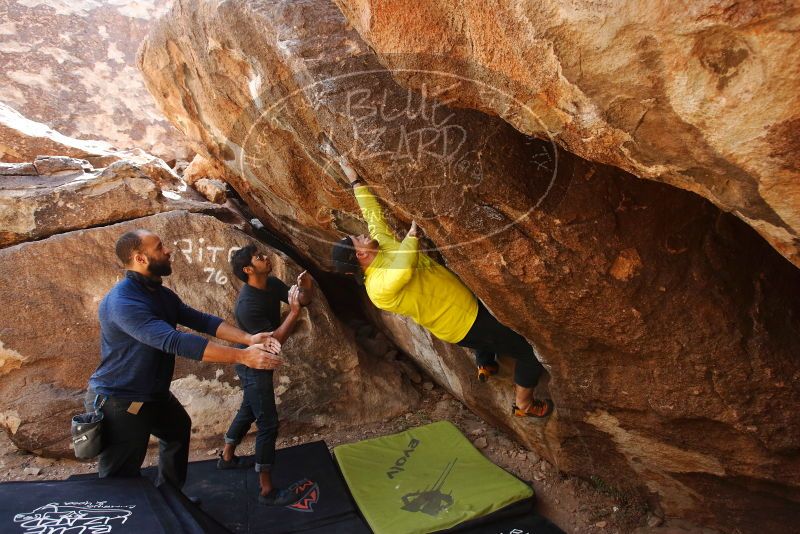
{"type": "Point", "coordinates": [575, 505]}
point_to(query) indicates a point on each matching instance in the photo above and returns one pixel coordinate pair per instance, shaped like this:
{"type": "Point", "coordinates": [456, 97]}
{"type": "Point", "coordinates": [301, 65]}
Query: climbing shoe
{"type": "Point", "coordinates": [278, 497]}
{"type": "Point", "coordinates": [236, 463]}
{"type": "Point", "coordinates": [538, 408]}
{"type": "Point", "coordinates": [485, 371]}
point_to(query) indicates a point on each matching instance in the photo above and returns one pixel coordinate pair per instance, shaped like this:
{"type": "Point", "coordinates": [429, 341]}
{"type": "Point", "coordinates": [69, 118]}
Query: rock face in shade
{"type": "Point", "coordinates": [44, 369]}
{"type": "Point", "coordinates": [71, 65]}
{"type": "Point", "coordinates": [669, 328]}
{"type": "Point", "coordinates": [706, 98]}
{"type": "Point", "coordinates": [58, 194]}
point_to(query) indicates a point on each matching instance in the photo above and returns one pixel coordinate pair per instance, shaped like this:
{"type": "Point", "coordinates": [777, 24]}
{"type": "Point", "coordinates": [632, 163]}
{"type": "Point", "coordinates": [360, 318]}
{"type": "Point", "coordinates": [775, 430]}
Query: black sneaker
{"type": "Point", "coordinates": [236, 463]}
{"type": "Point", "coordinates": [278, 497]}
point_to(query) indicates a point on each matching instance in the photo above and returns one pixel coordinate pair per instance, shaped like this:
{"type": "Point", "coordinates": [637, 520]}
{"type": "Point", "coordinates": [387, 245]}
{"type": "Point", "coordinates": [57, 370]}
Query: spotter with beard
{"type": "Point", "coordinates": [138, 344]}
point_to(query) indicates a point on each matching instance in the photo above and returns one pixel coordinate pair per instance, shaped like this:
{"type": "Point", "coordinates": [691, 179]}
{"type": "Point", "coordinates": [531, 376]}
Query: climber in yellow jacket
{"type": "Point", "coordinates": [400, 279]}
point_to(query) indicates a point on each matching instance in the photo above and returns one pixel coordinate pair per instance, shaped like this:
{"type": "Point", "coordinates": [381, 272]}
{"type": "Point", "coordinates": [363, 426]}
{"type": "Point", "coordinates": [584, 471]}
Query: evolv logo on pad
{"type": "Point", "coordinates": [398, 468]}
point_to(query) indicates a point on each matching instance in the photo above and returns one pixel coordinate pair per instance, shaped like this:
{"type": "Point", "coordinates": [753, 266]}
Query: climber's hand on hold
{"type": "Point", "coordinates": [414, 230]}
{"type": "Point", "coordinates": [349, 172]}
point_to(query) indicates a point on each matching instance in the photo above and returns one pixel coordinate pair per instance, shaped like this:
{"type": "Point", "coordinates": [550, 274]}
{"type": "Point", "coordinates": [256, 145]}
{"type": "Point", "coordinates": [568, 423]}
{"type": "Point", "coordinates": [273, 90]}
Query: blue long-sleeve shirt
{"type": "Point", "coordinates": [138, 339]}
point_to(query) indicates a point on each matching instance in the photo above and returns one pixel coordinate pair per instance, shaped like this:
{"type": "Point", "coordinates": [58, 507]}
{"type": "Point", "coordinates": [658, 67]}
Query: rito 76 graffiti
{"type": "Point", "coordinates": [213, 259]}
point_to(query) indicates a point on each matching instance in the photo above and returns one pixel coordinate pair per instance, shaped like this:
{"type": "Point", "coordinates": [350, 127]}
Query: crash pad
{"type": "Point", "coordinates": [113, 506]}
{"type": "Point", "coordinates": [425, 479]}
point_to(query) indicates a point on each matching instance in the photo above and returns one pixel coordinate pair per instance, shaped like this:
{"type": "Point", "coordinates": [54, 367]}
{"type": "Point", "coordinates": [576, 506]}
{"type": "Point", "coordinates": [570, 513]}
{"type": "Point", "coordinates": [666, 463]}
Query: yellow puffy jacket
{"type": "Point", "coordinates": [401, 280]}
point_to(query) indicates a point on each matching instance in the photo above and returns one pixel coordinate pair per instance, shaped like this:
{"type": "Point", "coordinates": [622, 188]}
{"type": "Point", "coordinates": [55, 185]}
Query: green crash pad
{"type": "Point", "coordinates": [425, 479]}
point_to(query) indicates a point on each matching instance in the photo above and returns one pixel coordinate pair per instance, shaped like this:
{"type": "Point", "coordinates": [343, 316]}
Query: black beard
{"type": "Point", "coordinates": [159, 268]}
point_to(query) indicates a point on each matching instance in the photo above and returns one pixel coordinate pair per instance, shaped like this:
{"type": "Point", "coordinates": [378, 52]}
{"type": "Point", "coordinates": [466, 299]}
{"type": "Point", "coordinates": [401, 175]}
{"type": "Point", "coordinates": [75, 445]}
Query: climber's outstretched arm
{"type": "Point", "coordinates": [371, 210]}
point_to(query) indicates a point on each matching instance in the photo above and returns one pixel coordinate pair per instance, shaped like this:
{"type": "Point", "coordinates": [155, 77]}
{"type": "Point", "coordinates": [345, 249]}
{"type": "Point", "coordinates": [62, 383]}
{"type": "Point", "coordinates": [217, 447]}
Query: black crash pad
{"type": "Point", "coordinates": [529, 523]}
{"type": "Point", "coordinates": [119, 506]}
{"type": "Point", "coordinates": [231, 496]}
{"type": "Point", "coordinates": [229, 501]}
{"type": "Point", "coordinates": [517, 518]}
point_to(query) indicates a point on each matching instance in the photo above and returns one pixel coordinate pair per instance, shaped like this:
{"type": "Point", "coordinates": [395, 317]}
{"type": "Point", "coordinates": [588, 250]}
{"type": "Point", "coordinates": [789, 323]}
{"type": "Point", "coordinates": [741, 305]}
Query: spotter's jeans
{"type": "Point", "coordinates": [258, 406]}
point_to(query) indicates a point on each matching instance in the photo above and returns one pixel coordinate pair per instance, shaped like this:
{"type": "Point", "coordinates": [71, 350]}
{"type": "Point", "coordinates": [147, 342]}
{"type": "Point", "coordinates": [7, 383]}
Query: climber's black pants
{"type": "Point", "coordinates": [488, 338]}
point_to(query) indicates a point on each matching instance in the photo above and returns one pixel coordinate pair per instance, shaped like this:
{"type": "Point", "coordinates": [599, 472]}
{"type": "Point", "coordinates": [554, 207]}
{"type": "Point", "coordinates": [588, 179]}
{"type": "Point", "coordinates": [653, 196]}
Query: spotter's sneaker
{"type": "Point", "coordinates": [278, 497]}
{"type": "Point", "coordinates": [236, 463]}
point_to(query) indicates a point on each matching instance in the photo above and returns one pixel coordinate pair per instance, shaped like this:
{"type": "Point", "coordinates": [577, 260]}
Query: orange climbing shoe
{"type": "Point", "coordinates": [538, 408]}
{"type": "Point", "coordinates": [485, 371]}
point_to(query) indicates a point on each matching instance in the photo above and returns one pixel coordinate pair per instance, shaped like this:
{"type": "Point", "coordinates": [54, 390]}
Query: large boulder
{"type": "Point", "coordinates": [668, 327]}
{"type": "Point", "coordinates": [706, 98]}
{"type": "Point", "coordinates": [58, 194]}
{"type": "Point", "coordinates": [71, 65]}
{"type": "Point", "coordinates": [49, 346]}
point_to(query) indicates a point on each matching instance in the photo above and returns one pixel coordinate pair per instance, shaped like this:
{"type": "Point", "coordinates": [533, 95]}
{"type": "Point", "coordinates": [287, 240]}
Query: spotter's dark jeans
{"type": "Point", "coordinates": [125, 438]}
{"type": "Point", "coordinates": [258, 406]}
{"type": "Point", "coordinates": [488, 338]}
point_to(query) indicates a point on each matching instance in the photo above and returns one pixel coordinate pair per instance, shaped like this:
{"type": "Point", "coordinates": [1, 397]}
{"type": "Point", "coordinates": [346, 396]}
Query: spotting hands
{"type": "Point", "coordinates": [304, 280]}
{"type": "Point", "coordinates": [258, 357]}
{"type": "Point", "coordinates": [305, 285]}
{"type": "Point", "coordinates": [263, 352]}
{"type": "Point", "coordinates": [294, 299]}
{"type": "Point", "coordinates": [270, 344]}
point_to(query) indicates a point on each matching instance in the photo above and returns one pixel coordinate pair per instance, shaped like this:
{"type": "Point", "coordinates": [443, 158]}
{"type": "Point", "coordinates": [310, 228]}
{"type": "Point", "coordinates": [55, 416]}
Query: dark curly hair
{"type": "Point", "coordinates": [242, 258]}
